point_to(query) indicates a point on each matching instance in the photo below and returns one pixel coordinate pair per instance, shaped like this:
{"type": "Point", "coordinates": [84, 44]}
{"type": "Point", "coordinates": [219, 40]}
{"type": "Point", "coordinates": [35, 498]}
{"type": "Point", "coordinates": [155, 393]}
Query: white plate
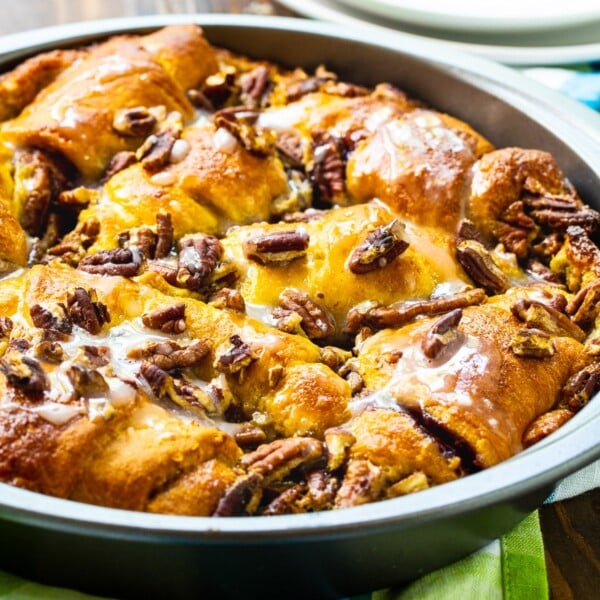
{"type": "Point", "coordinates": [564, 46]}
{"type": "Point", "coordinates": [485, 15]}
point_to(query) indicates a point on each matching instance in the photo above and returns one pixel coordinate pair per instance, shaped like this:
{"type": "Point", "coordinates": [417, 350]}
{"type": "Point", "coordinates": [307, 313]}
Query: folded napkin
{"type": "Point", "coordinates": [511, 568]}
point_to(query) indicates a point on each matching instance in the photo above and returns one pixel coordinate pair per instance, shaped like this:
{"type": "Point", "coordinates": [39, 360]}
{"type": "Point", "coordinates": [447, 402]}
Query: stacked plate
{"type": "Point", "coordinates": [534, 32]}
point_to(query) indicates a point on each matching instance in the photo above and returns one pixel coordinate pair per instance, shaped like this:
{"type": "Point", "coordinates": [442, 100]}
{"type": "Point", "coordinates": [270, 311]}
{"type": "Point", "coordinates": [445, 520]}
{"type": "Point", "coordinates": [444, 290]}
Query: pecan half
{"type": "Point", "coordinates": [276, 460]}
{"type": "Point", "coordinates": [84, 310]}
{"type": "Point", "coordinates": [372, 315]}
{"type": "Point", "coordinates": [288, 502]}
{"type": "Point", "coordinates": [198, 257]}
{"type": "Point", "coordinates": [479, 265]}
{"type": "Point", "coordinates": [24, 372]}
{"type": "Point", "coordinates": [250, 437]}
{"type": "Point", "coordinates": [170, 319]}
{"type": "Point", "coordinates": [87, 383]}
{"type": "Point", "coordinates": [236, 358]}
{"type": "Point", "coordinates": [585, 306]}
{"type": "Point", "coordinates": [125, 262]}
{"type": "Point", "coordinates": [580, 387]}
{"type": "Point", "coordinates": [155, 152]}
{"type": "Point", "coordinates": [134, 122]}
{"type": "Point", "coordinates": [314, 320]}
{"type": "Point", "coordinates": [532, 343]}
{"type": "Point", "coordinates": [363, 483]}
{"type": "Point", "coordinates": [559, 211]}
{"type": "Point", "coordinates": [441, 334]}
{"type": "Point", "coordinates": [54, 326]}
{"type": "Point", "coordinates": [119, 162]}
{"type": "Point", "coordinates": [240, 121]}
{"type": "Point", "coordinates": [467, 230]}
{"type": "Point", "coordinates": [164, 234]}
{"type": "Point", "coordinates": [544, 425]}
{"type": "Point", "coordinates": [254, 86]}
{"type": "Point", "coordinates": [329, 167]}
{"type": "Point", "coordinates": [290, 146]}
{"type": "Point", "coordinates": [542, 316]}
{"type": "Point", "coordinates": [277, 247]}
{"type": "Point", "coordinates": [240, 497]}
{"type": "Point", "coordinates": [379, 249]}
{"type": "Point", "coordinates": [169, 355]}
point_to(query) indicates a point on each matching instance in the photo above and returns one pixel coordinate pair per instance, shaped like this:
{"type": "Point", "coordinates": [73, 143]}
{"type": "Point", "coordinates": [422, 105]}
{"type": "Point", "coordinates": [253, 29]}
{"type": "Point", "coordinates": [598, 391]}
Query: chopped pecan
{"type": "Point", "coordinates": [170, 319]}
{"type": "Point", "coordinates": [479, 265]}
{"type": "Point", "coordinates": [276, 460]}
{"type": "Point", "coordinates": [254, 86]}
{"type": "Point", "coordinates": [96, 356]}
{"type": "Point", "coordinates": [237, 358]}
{"type": "Point", "coordinates": [362, 483]}
{"type": "Point", "coordinates": [585, 306]}
{"type": "Point", "coordinates": [275, 374]}
{"type": "Point", "coordinates": [334, 357]}
{"type": "Point", "coordinates": [315, 321]}
{"type": "Point", "coordinates": [134, 122]}
{"type": "Point", "coordinates": [38, 181]}
{"type": "Point", "coordinates": [6, 326]}
{"type": "Point", "coordinates": [415, 482]}
{"type": "Point", "coordinates": [544, 425]}
{"type": "Point", "coordinates": [220, 88]}
{"type": "Point", "coordinates": [87, 383]}
{"type": "Point", "coordinates": [169, 355]}
{"type": "Point", "coordinates": [380, 317]}
{"type": "Point", "coordinates": [307, 85]}
{"type": "Point", "coordinates": [240, 497]}
{"type": "Point", "coordinates": [346, 90]}
{"type": "Point", "coordinates": [467, 230]}
{"type": "Point", "coordinates": [379, 249]}
{"type": "Point", "coordinates": [548, 246]}
{"type": "Point", "coordinates": [277, 247]}
{"type": "Point", "coordinates": [329, 168]}
{"type": "Point", "coordinates": [56, 327]}
{"type": "Point", "coordinates": [24, 372]}
{"type": "Point", "coordinates": [198, 257]}
{"type": "Point", "coordinates": [322, 488]}
{"type": "Point", "coordinates": [50, 351]}
{"type": "Point", "coordinates": [288, 502]}
{"type": "Point", "coordinates": [41, 245]}
{"type": "Point", "coordinates": [532, 343]}
{"type": "Point", "coordinates": [119, 162]}
{"type": "Point", "coordinates": [228, 298]}
{"type": "Point", "coordinates": [125, 262]}
{"type": "Point", "coordinates": [200, 100]}
{"type": "Point", "coordinates": [240, 121]}
{"type": "Point", "coordinates": [304, 216]}
{"type": "Point", "coordinates": [84, 310]}
{"type": "Point", "coordinates": [164, 235]}
{"type": "Point", "coordinates": [580, 387]}
{"type": "Point", "coordinates": [155, 152]}
{"type": "Point", "coordinates": [290, 146]}
{"type": "Point", "coordinates": [540, 270]}
{"type": "Point", "coordinates": [142, 238]}
{"type": "Point", "coordinates": [74, 244]}
{"type": "Point", "coordinates": [169, 274]}
{"type": "Point", "coordinates": [441, 334]}
{"type": "Point", "coordinates": [539, 315]}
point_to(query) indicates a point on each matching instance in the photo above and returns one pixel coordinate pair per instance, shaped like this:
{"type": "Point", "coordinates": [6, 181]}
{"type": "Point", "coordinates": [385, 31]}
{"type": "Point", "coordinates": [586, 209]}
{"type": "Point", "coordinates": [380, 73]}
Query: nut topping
{"type": "Point", "coordinates": [170, 319]}
{"type": "Point", "coordinates": [164, 235]}
{"type": "Point", "coordinates": [236, 358]}
{"type": "Point", "coordinates": [54, 326]}
{"type": "Point", "coordinates": [240, 497]}
{"type": "Point", "coordinates": [275, 460]}
{"type": "Point", "coordinates": [228, 298]}
{"type": "Point", "coordinates": [125, 262]}
{"type": "Point", "coordinates": [134, 122]}
{"type": "Point", "coordinates": [119, 162]}
{"type": "Point", "coordinates": [254, 86]}
{"type": "Point", "coordinates": [87, 383]}
{"type": "Point", "coordinates": [441, 334]}
{"type": "Point", "coordinates": [379, 249]}
{"type": "Point", "coordinates": [579, 388]}
{"type": "Point", "coordinates": [479, 265]}
{"type": "Point", "coordinates": [372, 315]}
{"type": "Point", "coordinates": [6, 326]}
{"type": "Point", "coordinates": [542, 316]}
{"type": "Point", "coordinates": [532, 343]}
{"type": "Point", "coordinates": [329, 168]}
{"type": "Point", "coordinates": [277, 247]}
{"type": "Point", "coordinates": [314, 320]}
{"type": "Point", "coordinates": [240, 121]}
{"type": "Point", "coordinates": [155, 152]}
{"type": "Point", "coordinates": [169, 355]}
{"type": "Point", "coordinates": [84, 310]}
{"type": "Point", "coordinates": [585, 306]}
{"type": "Point", "coordinates": [24, 373]}
{"type": "Point", "coordinates": [198, 258]}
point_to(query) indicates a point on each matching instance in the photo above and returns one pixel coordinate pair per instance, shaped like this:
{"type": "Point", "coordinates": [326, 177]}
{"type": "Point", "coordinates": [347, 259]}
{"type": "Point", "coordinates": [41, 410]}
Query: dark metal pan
{"type": "Point", "coordinates": [126, 555]}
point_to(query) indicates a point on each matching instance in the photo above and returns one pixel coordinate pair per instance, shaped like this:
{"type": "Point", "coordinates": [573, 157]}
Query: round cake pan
{"type": "Point", "coordinates": [338, 553]}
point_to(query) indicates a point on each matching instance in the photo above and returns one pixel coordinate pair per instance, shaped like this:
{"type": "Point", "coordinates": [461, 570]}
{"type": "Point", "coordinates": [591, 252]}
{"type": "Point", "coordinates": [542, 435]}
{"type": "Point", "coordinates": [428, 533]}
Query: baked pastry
{"type": "Point", "coordinates": [262, 291]}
